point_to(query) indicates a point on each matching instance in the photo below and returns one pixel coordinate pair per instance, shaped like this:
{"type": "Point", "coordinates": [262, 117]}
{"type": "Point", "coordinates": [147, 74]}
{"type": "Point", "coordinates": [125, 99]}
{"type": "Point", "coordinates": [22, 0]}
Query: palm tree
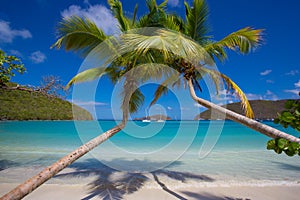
{"type": "Point", "coordinates": [82, 35]}
{"type": "Point", "coordinates": [194, 27]}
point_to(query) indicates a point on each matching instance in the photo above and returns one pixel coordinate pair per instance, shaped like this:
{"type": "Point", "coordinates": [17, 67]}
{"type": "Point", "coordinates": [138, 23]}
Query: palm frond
{"type": "Point", "coordinates": [134, 15]}
{"type": "Point", "coordinates": [133, 98]}
{"type": "Point", "coordinates": [175, 23]}
{"type": "Point", "coordinates": [116, 7]}
{"type": "Point", "coordinates": [245, 103]}
{"type": "Point", "coordinates": [243, 41]}
{"type": "Point", "coordinates": [136, 101]}
{"type": "Point", "coordinates": [168, 43]}
{"type": "Point", "coordinates": [152, 71]}
{"type": "Point", "coordinates": [87, 75]}
{"type": "Point", "coordinates": [214, 77]}
{"type": "Point", "coordinates": [196, 20]}
{"type": "Point", "coordinates": [163, 5]}
{"type": "Point", "coordinates": [79, 34]}
{"type": "Point", "coordinates": [171, 81]}
{"type": "Point", "coordinates": [231, 85]}
{"type": "Point", "coordinates": [156, 15]}
{"type": "Point", "coordinates": [161, 90]}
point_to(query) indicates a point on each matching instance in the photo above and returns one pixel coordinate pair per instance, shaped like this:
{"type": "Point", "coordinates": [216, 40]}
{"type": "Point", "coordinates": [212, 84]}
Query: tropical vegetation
{"type": "Point", "coordinates": [182, 45]}
{"type": "Point", "coordinates": [289, 117]}
{"type": "Point", "coordinates": [29, 105]}
{"type": "Point", "coordinates": [9, 65]}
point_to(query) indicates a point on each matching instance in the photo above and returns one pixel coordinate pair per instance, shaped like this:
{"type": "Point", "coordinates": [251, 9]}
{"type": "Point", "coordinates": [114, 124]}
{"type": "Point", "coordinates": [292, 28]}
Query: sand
{"type": "Point", "coordinates": [80, 191]}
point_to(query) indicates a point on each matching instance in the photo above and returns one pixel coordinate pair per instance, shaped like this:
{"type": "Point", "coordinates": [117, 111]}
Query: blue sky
{"type": "Point", "coordinates": [28, 29]}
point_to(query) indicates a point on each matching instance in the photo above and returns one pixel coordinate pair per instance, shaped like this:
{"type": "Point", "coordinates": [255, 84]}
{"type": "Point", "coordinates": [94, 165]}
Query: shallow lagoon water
{"type": "Point", "coordinates": [238, 157]}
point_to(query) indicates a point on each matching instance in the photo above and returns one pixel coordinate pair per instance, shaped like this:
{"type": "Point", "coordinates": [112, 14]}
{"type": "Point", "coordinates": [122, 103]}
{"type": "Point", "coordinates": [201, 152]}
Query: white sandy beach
{"type": "Point", "coordinates": [159, 185]}
{"type": "Point", "coordinates": [73, 192]}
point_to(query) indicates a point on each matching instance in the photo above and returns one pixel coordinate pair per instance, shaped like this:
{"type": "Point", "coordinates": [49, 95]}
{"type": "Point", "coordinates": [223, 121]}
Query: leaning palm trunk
{"type": "Point", "coordinates": [255, 125]}
{"type": "Point", "coordinates": [31, 184]}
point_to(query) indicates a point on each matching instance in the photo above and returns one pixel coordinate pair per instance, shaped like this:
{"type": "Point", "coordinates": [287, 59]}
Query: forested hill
{"type": "Point", "coordinates": [262, 109]}
{"type": "Point", "coordinates": [25, 105]}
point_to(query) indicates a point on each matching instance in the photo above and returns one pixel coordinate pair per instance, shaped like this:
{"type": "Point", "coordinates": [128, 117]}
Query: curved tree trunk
{"type": "Point", "coordinates": [28, 186]}
{"type": "Point", "coordinates": [255, 125]}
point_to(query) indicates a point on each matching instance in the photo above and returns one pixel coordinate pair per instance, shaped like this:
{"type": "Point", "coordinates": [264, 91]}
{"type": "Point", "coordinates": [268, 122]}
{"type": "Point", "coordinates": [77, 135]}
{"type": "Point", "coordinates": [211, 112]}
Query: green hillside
{"type": "Point", "coordinates": [262, 109]}
{"type": "Point", "coordinates": [24, 105]}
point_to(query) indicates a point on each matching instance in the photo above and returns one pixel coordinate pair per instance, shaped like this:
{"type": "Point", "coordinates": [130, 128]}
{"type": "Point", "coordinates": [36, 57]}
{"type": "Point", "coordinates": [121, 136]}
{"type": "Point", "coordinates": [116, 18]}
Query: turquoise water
{"type": "Point", "coordinates": [225, 151]}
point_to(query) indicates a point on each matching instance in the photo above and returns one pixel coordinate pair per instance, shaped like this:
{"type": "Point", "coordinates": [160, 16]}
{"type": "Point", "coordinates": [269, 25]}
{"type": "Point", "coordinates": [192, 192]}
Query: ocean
{"type": "Point", "coordinates": [221, 152]}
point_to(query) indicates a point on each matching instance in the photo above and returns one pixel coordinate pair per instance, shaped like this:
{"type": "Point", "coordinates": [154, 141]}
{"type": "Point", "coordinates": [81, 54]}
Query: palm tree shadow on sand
{"type": "Point", "coordinates": [208, 196]}
{"type": "Point", "coordinates": [113, 184]}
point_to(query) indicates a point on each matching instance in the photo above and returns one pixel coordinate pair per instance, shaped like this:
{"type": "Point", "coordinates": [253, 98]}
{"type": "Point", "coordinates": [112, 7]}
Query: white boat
{"type": "Point", "coordinates": [147, 120]}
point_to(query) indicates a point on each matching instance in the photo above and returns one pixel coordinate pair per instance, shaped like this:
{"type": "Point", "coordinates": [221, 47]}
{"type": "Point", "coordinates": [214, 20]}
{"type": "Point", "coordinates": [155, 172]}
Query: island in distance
{"type": "Point", "coordinates": [153, 118]}
{"type": "Point", "coordinates": [263, 110]}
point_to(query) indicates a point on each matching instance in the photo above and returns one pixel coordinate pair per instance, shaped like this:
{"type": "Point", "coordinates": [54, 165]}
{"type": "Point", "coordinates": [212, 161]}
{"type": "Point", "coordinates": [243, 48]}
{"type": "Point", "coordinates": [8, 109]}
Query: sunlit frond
{"type": "Point", "coordinates": [79, 34]}
{"type": "Point", "coordinates": [152, 71]}
{"type": "Point", "coordinates": [169, 43]}
{"type": "Point", "coordinates": [243, 41]}
{"type": "Point", "coordinates": [216, 76]}
{"type": "Point", "coordinates": [87, 75]}
{"type": "Point", "coordinates": [170, 24]}
{"type": "Point", "coordinates": [245, 103]}
{"type": "Point", "coordinates": [163, 5]}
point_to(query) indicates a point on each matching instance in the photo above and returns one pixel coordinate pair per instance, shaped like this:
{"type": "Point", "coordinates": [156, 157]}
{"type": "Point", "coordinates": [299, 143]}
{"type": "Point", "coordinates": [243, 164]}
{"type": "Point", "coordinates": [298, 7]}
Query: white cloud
{"type": "Point", "coordinates": [270, 95]}
{"type": "Point", "coordinates": [173, 3]}
{"type": "Point", "coordinates": [295, 91]}
{"type": "Point", "coordinates": [37, 57]}
{"type": "Point", "coordinates": [169, 108]}
{"type": "Point", "coordinates": [297, 84]}
{"type": "Point", "coordinates": [252, 96]}
{"type": "Point", "coordinates": [292, 72]}
{"type": "Point", "coordinates": [224, 96]}
{"type": "Point", "coordinates": [266, 72]}
{"type": "Point", "coordinates": [7, 34]}
{"type": "Point", "coordinates": [269, 81]}
{"type": "Point", "coordinates": [99, 14]}
{"type": "Point", "coordinates": [87, 103]}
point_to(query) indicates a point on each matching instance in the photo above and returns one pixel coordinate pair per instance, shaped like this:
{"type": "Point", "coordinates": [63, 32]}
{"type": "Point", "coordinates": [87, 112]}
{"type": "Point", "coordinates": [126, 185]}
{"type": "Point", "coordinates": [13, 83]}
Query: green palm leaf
{"type": "Point", "coordinates": [168, 43]}
{"type": "Point", "coordinates": [243, 41]}
{"type": "Point", "coordinates": [196, 20]}
{"type": "Point", "coordinates": [79, 34]}
{"type": "Point", "coordinates": [132, 97]}
{"type": "Point", "coordinates": [87, 75]}
{"type": "Point", "coordinates": [116, 7]}
{"type": "Point", "coordinates": [162, 89]}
